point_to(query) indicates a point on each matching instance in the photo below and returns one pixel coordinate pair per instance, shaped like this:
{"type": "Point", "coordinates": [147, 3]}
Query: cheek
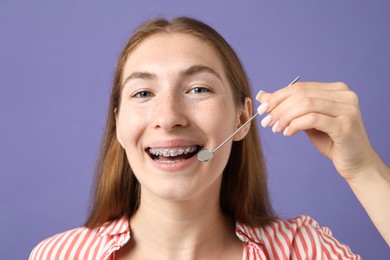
{"type": "Point", "coordinates": [130, 125]}
{"type": "Point", "coordinates": [218, 118]}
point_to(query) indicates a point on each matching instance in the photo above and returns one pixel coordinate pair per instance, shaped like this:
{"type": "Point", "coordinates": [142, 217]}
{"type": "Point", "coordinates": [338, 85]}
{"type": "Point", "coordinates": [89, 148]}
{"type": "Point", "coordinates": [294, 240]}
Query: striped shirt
{"type": "Point", "coordinates": [298, 238]}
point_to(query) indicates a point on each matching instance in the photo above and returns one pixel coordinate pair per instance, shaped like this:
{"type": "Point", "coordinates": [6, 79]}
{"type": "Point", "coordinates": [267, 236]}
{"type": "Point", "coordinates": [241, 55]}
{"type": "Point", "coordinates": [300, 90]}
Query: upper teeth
{"type": "Point", "coordinates": [170, 152]}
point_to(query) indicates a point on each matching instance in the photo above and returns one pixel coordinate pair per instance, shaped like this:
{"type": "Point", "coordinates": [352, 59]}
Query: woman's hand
{"type": "Point", "coordinates": [329, 114]}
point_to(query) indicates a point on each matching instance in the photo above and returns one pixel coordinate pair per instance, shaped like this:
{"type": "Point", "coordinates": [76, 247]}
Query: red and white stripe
{"type": "Point", "coordinates": [84, 243]}
{"type": "Point", "coordinates": [298, 238]}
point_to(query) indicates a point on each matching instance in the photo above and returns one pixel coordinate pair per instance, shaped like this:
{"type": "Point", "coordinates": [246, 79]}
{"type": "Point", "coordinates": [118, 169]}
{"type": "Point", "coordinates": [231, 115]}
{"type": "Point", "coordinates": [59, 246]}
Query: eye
{"type": "Point", "coordinates": [142, 94]}
{"type": "Point", "coordinates": [199, 90]}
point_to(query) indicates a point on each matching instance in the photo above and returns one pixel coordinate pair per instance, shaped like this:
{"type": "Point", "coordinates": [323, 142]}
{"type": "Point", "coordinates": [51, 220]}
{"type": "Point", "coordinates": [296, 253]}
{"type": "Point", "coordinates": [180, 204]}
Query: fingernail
{"type": "Point", "coordinates": [285, 132]}
{"type": "Point", "coordinates": [275, 126]}
{"type": "Point", "coordinates": [261, 93]}
{"type": "Point", "coordinates": [266, 120]}
{"type": "Point", "coordinates": [262, 108]}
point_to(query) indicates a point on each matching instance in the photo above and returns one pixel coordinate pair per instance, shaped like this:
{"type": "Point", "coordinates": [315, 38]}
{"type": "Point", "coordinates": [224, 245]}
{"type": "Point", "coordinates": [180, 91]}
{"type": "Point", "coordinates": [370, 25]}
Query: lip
{"type": "Point", "coordinates": [174, 167]}
{"type": "Point", "coordinates": [174, 143]}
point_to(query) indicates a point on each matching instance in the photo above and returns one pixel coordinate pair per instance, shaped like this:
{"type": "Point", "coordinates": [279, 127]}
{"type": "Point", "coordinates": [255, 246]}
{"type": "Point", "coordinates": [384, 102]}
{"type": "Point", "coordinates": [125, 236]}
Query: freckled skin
{"type": "Point", "coordinates": [174, 111]}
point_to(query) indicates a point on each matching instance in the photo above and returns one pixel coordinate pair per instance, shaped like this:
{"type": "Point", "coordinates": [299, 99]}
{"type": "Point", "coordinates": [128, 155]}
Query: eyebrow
{"type": "Point", "coordinates": [195, 69]}
{"type": "Point", "coordinates": [192, 70]}
{"type": "Point", "coordinates": [139, 75]}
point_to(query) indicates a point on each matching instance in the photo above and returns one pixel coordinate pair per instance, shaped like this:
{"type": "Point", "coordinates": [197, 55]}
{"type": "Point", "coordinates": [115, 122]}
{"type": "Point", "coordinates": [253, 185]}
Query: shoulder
{"type": "Point", "coordinates": [83, 242]}
{"type": "Point", "coordinates": [64, 245]}
{"type": "Point", "coordinates": [300, 237]}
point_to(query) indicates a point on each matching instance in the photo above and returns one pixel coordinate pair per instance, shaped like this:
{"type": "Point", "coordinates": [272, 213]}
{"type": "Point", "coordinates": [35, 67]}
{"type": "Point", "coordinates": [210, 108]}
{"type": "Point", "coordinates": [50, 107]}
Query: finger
{"type": "Point", "coordinates": [281, 94]}
{"type": "Point", "coordinates": [307, 98]}
{"type": "Point", "coordinates": [327, 124]}
{"type": "Point", "coordinates": [332, 103]}
{"type": "Point", "coordinates": [283, 117]}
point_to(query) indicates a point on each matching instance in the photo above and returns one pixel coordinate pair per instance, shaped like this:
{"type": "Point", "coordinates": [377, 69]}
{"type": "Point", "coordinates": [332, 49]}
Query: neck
{"type": "Point", "coordinates": [182, 229]}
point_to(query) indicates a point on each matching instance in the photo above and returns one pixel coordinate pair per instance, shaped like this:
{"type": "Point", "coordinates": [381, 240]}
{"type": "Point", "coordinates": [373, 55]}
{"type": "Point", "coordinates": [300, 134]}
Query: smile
{"type": "Point", "coordinates": [172, 154]}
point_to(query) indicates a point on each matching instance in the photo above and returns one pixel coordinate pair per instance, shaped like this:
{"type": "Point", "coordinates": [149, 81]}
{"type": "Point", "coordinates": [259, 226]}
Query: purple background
{"type": "Point", "coordinates": [56, 66]}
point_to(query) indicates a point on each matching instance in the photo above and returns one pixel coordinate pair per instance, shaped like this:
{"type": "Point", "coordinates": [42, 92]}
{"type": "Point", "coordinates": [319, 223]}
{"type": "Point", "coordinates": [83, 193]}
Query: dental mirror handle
{"type": "Point", "coordinates": [247, 122]}
{"type": "Point", "coordinates": [235, 132]}
{"type": "Point", "coordinates": [205, 154]}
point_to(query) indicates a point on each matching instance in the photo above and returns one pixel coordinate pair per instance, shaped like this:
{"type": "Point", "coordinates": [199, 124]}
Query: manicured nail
{"type": "Point", "coordinates": [261, 93]}
{"type": "Point", "coordinates": [285, 132]}
{"type": "Point", "coordinates": [266, 120]}
{"type": "Point", "coordinates": [275, 126]}
{"type": "Point", "coordinates": [262, 108]}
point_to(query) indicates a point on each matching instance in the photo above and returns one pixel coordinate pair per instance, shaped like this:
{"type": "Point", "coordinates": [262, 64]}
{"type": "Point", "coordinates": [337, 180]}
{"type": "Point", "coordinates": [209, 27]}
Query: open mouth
{"type": "Point", "coordinates": [173, 154]}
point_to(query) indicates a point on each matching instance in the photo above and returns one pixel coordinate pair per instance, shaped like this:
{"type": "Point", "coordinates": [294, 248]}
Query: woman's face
{"type": "Point", "coordinates": [175, 100]}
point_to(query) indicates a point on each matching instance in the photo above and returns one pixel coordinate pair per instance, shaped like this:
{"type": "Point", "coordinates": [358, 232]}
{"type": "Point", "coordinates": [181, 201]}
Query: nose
{"type": "Point", "coordinates": [169, 112]}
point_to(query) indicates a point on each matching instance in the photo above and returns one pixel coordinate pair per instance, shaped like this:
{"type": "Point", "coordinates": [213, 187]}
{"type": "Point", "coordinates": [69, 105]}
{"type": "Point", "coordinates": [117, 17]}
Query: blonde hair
{"type": "Point", "coordinates": [244, 192]}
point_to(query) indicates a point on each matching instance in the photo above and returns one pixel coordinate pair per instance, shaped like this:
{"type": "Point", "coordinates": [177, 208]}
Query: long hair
{"type": "Point", "coordinates": [244, 192]}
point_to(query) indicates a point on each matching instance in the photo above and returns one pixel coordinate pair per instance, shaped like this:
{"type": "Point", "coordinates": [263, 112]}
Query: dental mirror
{"type": "Point", "coordinates": [205, 154]}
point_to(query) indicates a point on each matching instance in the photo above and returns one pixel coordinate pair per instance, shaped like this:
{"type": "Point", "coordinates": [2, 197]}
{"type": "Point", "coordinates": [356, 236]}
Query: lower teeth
{"type": "Point", "coordinates": [169, 161]}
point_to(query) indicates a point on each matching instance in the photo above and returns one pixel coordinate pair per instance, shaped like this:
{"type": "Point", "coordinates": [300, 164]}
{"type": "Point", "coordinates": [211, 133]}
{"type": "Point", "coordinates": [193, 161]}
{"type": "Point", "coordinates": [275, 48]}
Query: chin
{"type": "Point", "coordinates": [173, 191]}
{"type": "Point", "coordinates": [179, 190]}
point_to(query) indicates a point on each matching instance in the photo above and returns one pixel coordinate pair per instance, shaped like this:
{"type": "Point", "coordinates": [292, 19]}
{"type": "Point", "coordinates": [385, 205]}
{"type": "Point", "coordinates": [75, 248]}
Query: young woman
{"type": "Point", "coordinates": [180, 87]}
